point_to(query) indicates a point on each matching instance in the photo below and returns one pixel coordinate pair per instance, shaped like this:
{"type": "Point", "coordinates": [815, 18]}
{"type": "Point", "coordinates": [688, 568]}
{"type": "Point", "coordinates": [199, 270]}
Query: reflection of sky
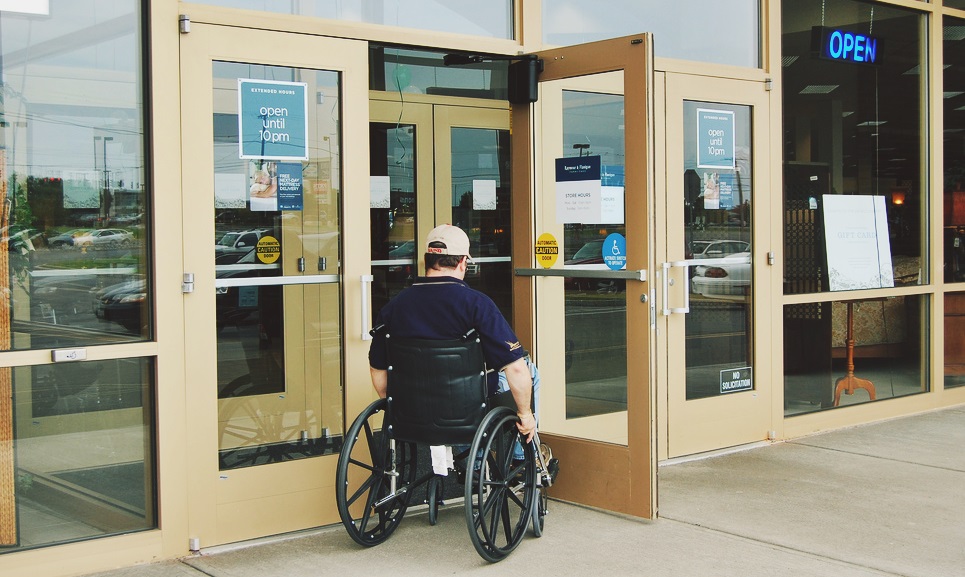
{"type": "Point", "coordinates": [491, 19]}
{"type": "Point", "coordinates": [77, 34]}
{"type": "Point", "coordinates": [721, 31]}
{"type": "Point", "coordinates": [70, 77]}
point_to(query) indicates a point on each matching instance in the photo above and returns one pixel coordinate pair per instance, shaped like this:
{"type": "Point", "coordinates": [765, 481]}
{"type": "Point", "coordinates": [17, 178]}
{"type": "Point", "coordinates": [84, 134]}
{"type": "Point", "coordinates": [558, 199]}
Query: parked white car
{"type": "Point", "coordinates": [105, 238]}
{"type": "Point", "coordinates": [730, 278]}
{"type": "Point", "coordinates": [716, 248]}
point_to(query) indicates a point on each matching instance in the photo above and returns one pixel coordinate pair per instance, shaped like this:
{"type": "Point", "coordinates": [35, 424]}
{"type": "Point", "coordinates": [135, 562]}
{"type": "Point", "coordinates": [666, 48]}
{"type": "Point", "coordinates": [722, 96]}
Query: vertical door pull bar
{"type": "Point", "coordinates": [366, 304]}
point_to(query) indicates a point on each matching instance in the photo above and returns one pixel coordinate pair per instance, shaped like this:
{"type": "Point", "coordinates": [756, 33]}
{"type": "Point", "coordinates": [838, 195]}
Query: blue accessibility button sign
{"type": "Point", "coordinates": [615, 252]}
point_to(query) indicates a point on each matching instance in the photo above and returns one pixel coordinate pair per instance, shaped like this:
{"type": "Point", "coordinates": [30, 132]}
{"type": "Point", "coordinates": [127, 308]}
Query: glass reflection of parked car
{"type": "Point", "coordinates": [236, 303]}
{"type": "Point", "coordinates": [66, 239]}
{"type": "Point", "coordinates": [105, 238]}
{"type": "Point", "coordinates": [122, 303]}
{"type": "Point", "coordinates": [404, 250]}
{"type": "Point", "coordinates": [730, 279]}
{"type": "Point", "coordinates": [715, 248]}
{"type": "Point", "coordinates": [590, 257]}
{"type": "Point", "coordinates": [235, 245]}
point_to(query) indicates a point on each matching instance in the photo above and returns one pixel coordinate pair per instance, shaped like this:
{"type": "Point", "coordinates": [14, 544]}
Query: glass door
{"type": "Point", "coordinates": [592, 267]}
{"type": "Point", "coordinates": [435, 162]}
{"type": "Point", "coordinates": [267, 149]}
{"type": "Point", "coordinates": [716, 183]}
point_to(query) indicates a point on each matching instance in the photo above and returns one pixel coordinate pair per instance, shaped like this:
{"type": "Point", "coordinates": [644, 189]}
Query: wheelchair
{"type": "Point", "coordinates": [437, 395]}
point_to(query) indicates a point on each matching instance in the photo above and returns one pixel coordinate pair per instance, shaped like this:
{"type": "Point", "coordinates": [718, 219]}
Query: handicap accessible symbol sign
{"type": "Point", "coordinates": [615, 252]}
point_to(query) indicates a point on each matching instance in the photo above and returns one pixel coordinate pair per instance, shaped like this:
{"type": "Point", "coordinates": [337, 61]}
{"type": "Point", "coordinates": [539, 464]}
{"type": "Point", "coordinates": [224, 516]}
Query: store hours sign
{"type": "Point", "coordinates": [272, 119]}
{"type": "Point", "coordinates": [715, 139]}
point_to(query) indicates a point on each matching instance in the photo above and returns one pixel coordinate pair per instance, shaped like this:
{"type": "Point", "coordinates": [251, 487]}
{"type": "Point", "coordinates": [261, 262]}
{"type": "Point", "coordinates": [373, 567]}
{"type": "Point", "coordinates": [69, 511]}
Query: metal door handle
{"type": "Point", "coordinates": [667, 310]}
{"type": "Point", "coordinates": [366, 304]}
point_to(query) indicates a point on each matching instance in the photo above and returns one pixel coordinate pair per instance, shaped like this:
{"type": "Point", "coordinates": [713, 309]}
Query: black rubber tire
{"type": "Point", "coordinates": [540, 503]}
{"type": "Point", "coordinates": [498, 494]}
{"type": "Point", "coordinates": [363, 479]}
{"type": "Point", "coordinates": [434, 497]}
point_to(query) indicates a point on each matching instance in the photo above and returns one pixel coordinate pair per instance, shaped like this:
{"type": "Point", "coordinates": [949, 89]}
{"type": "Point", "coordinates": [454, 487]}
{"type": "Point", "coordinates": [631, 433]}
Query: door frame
{"type": "Point", "coordinates": [239, 504]}
{"type": "Point", "coordinates": [690, 427]}
{"type": "Point", "coordinates": [628, 471]}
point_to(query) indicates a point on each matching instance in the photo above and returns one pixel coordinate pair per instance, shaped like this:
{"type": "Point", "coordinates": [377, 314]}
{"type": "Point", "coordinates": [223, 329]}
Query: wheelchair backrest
{"type": "Point", "coordinates": [436, 389]}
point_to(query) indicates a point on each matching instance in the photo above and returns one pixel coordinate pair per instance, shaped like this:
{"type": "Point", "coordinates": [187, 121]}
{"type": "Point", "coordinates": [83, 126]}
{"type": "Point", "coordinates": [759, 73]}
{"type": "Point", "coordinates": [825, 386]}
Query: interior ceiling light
{"type": "Point", "coordinates": [847, 113]}
{"type": "Point", "coordinates": [872, 123]}
{"type": "Point", "coordinates": [788, 60]}
{"type": "Point", "coordinates": [818, 88]}
{"type": "Point", "coordinates": [952, 94]}
{"type": "Point", "coordinates": [954, 33]}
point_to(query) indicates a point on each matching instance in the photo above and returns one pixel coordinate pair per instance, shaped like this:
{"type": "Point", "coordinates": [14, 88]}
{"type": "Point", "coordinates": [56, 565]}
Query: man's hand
{"type": "Point", "coordinates": [526, 424]}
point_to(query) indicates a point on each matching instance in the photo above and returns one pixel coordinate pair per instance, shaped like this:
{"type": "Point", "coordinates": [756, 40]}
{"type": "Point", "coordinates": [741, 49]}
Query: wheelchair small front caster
{"type": "Point", "coordinates": [434, 498]}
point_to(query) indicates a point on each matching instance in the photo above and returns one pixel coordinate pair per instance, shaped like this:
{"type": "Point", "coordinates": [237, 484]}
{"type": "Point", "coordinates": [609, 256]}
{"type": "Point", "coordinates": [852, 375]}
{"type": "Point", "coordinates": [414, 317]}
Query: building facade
{"type": "Point", "coordinates": [709, 232]}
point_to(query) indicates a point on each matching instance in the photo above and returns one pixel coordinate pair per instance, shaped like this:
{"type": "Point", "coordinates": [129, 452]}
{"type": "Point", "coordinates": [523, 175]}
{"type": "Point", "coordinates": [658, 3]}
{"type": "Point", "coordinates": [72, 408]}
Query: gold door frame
{"type": "Point", "coordinates": [229, 506]}
{"type": "Point", "coordinates": [627, 472]}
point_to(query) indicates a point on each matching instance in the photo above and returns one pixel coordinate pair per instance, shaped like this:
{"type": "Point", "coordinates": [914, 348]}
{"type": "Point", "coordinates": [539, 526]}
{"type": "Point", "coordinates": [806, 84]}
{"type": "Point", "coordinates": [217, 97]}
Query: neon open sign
{"type": "Point", "coordinates": [844, 46]}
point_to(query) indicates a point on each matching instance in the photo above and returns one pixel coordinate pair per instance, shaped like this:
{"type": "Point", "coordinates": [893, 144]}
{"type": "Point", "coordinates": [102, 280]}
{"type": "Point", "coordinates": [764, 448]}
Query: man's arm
{"type": "Point", "coordinates": [380, 380]}
{"type": "Point", "coordinates": [521, 385]}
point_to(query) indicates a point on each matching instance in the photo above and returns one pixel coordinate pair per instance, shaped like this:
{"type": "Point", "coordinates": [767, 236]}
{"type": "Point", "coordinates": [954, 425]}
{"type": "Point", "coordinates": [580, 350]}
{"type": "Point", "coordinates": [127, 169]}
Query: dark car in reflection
{"type": "Point", "coordinates": [66, 239]}
{"type": "Point", "coordinates": [590, 257]}
{"type": "Point", "coordinates": [123, 303]}
{"type": "Point", "coordinates": [235, 304]}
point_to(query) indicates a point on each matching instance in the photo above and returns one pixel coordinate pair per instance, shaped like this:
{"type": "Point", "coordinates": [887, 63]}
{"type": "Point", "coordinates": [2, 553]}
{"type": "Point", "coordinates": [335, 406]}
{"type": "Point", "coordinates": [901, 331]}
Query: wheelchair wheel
{"type": "Point", "coordinates": [499, 492]}
{"type": "Point", "coordinates": [540, 503]}
{"type": "Point", "coordinates": [367, 505]}
{"type": "Point", "coordinates": [434, 497]}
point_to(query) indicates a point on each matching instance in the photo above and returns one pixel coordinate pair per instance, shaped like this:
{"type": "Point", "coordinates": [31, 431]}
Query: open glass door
{"type": "Point", "coordinates": [265, 164]}
{"type": "Point", "coordinates": [716, 167]}
{"type": "Point", "coordinates": [591, 244]}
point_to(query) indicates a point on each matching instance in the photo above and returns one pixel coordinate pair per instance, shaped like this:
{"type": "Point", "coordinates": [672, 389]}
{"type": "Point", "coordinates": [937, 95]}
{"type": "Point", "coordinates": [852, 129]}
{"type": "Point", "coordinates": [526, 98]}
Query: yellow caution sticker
{"type": "Point", "coordinates": [547, 250]}
{"type": "Point", "coordinates": [268, 249]}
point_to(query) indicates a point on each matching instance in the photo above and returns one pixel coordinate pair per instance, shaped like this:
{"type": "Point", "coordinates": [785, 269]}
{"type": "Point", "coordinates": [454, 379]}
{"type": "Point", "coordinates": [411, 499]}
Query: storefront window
{"type": "Point", "coordinates": [845, 353]}
{"type": "Point", "coordinates": [960, 4]}
{"type": "Point", "coordinates": [855, 204]}
{"type": "Point", "coordinates": [489, 19]}
{"type": "Point", "coordinates": [954, 196]}
{"type": "Point", "coordinates": [854, 201]}
{"type": "Point", "coordinates": [76, 438]}
{"type": "Point", "coordinates": [75, 238]}
{"type": "Point", "coordinates": [954, 149]}
{"type": "Point", "coordinates": [728, 32]}
{"type": "Point", "coordinates": [84, 453]}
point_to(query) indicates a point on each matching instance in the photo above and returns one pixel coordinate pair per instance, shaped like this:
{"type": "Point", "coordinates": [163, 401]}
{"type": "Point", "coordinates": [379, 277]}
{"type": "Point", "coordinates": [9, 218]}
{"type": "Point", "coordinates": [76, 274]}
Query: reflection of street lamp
{"type": "Point", "coordinates": [106, 197]}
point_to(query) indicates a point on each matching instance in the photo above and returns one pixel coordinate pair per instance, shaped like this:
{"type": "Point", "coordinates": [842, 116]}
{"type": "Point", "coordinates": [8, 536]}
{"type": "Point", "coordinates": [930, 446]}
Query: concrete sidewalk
{"type": "Point", "coordinates": [880, 499]}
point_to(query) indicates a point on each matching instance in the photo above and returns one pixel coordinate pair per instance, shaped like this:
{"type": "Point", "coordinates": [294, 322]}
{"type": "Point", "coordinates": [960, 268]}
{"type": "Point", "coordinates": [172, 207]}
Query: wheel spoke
{"type": "Point", "coordinates": [363, 488]}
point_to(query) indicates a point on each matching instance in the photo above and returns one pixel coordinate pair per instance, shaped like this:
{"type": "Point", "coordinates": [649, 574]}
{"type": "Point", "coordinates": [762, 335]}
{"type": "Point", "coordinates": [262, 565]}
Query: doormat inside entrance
{"type": "Point", "coordinates": [123, 482]}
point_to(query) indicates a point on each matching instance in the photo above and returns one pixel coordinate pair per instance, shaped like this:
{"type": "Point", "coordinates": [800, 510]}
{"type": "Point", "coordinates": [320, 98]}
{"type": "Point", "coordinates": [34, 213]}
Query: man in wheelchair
{"type": "Point", "coordinates": [442, 306]}
{"type": "Point", "coordinates": [432, 357]}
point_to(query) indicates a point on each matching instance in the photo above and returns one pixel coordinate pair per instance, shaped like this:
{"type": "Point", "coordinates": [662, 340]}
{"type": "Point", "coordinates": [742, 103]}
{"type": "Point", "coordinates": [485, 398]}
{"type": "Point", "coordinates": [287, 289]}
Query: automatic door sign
{"type": "Point", "coordinates": [268, 249]}
{"type": "Point", "coordinates": [615, 252]}
{"type": "Point", "coordinates": [547, 250]}
{"type": "Point", "coordinates": [734, 380]}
